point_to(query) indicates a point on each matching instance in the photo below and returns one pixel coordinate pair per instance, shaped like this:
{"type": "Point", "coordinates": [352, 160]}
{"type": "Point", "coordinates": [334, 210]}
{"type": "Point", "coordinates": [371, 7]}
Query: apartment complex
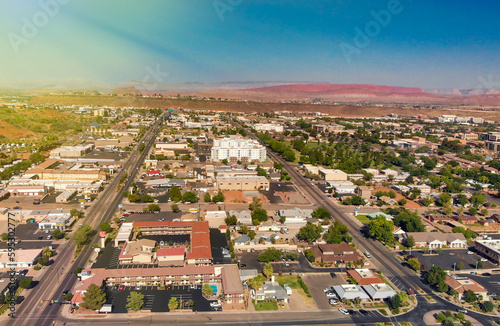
{"type": "Point", "coordinates": [236, 149]}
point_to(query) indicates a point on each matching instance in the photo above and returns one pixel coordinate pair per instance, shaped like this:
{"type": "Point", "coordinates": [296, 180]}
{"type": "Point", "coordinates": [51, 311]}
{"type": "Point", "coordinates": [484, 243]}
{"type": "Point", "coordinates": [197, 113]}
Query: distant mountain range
{"type": "Point", "coordinates": [315, 92]}
{"type": "Point", "coordinates": [274, 91]}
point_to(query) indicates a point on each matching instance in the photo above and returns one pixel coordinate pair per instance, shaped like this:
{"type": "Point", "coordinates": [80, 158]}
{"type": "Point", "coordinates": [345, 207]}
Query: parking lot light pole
{"type": "Point", "coordinates": [454, 264]}
{"type": "Point", "coordinates": [476, 266]}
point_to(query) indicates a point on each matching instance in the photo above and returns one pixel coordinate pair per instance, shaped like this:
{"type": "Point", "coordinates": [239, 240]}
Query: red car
{"type": "Point", "coordinates": [121, 287]}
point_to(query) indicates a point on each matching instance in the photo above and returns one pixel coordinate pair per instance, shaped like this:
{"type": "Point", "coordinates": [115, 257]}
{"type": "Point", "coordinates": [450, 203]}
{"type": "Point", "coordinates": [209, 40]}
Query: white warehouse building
{"type": "Point", "coordinates": [236, 149]}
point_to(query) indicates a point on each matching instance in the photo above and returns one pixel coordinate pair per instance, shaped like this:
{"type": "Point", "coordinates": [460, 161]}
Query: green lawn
{"type": "Point", "coordinates": [288, 279]}
{"type": "Point", "coordinates": [266, 305]}
{"type": "Point", "coordinates": [363, 219]}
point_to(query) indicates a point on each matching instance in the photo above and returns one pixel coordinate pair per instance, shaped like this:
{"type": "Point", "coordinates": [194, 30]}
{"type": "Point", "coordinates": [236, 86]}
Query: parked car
{"type": "Point", "coordinates": [17, 207]}
{"type": "Point", "coordinates": [484, 259]}
{"type": "Point", "coordinates": [333, 301]}
{"type": "Point", "coordinates": [332, 274]}
{"type": "Point", "coordinates": [330, 294]}
{"type": "Point", "coordinates": [327, 290]}
{"type": "Point", "coordinates": [470, 253]}
{"type": "Point", "coordinates": [344, 311]}
{"type": "Point", "coordinates": [363, 311]}
{"type": "Point", "coordinates": [352, 312]}
{"type": "Point", "coordinates": [368, 255]}
{"type": "Point", "coordinates": [121, 287]}
{"type": "Point", "coordinates": [462, 310]}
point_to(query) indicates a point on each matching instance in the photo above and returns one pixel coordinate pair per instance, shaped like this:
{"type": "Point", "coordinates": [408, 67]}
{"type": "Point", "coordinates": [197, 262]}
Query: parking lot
{"type": "Point", "coordinates": [317, 282]}
{"type": "Point", "coordinates": [30, 231]}
{"type": "Point", "coordinates": [491, 283]}
{"type": "Point", "coordinates": [447, 258]}
{"type": "Point", "coordinates": [157, 300]}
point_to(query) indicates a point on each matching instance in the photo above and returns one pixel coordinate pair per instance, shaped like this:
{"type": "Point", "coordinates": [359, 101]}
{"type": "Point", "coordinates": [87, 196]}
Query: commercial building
{"type": "Point", "coordinates": [332, 174]}
{"type": "Point", "coordinates": [268, 127]}
{"type": "Point", "coordinates": [25, 258]}
{"type": "Point", "coordinates": [379, 291]}
{"type": "Point", "coordinates": [243, 183]}
{"type": "Point", "coordinates": [335, 253]}
{"type": "Point", "coordinates": [71, 151]}
{"type": "Point", "coordinates": [489, 248]}
{"type": "Point", "coordinates": [236, 149]}
{"type": "Point", "coordinates": [437, 240]}
{"type": "Point", "coordinates": [464, 284]}
{"type": "Point", "coordinates": [350, 292]}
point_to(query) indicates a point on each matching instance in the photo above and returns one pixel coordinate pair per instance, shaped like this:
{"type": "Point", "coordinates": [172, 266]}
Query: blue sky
{"type": "Point", "coordinates": [425, 44]}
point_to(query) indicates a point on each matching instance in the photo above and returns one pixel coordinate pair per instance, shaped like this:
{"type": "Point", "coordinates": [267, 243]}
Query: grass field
{"type": "Point", "coordinates": [288, 279]}
{"type": "Point", "coordinates": [265, 305]}
{"type": "Point", "coordinates": [363, 219]}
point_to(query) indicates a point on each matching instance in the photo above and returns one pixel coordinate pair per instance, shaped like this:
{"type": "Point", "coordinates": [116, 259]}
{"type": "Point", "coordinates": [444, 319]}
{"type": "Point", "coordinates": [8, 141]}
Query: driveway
{"type": "Point", "coordinates": [317, 282]}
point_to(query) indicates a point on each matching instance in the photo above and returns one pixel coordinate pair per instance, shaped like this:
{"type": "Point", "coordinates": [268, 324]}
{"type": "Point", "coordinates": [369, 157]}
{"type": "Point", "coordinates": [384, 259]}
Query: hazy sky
{"type": "Point", "coordinates": [414, 43]}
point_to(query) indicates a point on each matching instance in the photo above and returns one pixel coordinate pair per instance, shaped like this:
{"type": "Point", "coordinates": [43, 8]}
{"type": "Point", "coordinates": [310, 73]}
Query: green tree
{"type": "Point", "coordinates": [462, 199]}
{"type": "Point", "coordinates": [105, 227]}
{"type": "Point", "coordinates": [153, 208]}
{"type": "Point", "coordinates": [337, 233]}
{"type": "Point", "coordinates": [57, 234]}
{"type": "Point", "coordinates": [256, 203]}
{"type": "Point", "coordinates": [251, 234]}
{"type": "Point", "coordinates": [321, 213]}
{"type": "Point", "coordinates": [135, 301]}
{"type": "Point", "coordinates": [82, 235]}
{"type": "Point", "coordinates": [78, 269]}
{"type": "Point", "coordinates": [396, 302]}
{"type": "Point", "coordinates": [309, 232]}
{"type": "Point", "coordinates": [219, 197]}
{"type": "Point", "coordinates": [25, 283]}
{"type": "Point", "coordinates": [175, 194]}
{"type": "Point", "coordinates": [435, 275]}
{"type": "Point", "coordinates": [479, 264]}
{"type": "Point", "coordinates": [271, 254]}
{"type": "Point", "coordinates": [207, 290]}
{"type": "Point", "coordinates": [484, 211]}
{"type": "Point", "coordinates": [487, 306]}
{"type": "Point", "coordinates": [428, 201]}
{"type": "Point", "coordinates": [231, 220]}
{"type": "Point", "coordinates": [173, 303]}
{"type": "Point", "coordinates": [472, 211]}
{"type": "Point", "coordinates": [444, 198]}
{"type": "Point", "coordinates": [207, 198]}
{"type": "Point", "coordinates": [93, 298]}
{"type": "Point", "coordinates": [460, 266]}
{"type": "Point", "coordinates": [381, 229]}
{"type": "Point", "coordinates": [470, 296]}
{"type": "Point", "coordinates": [267, 270]}
{"type": "Point", "coordinates": [410, 242]}
{"type": "Point", "coordinates": [147, 198]}
{"type": "Point", "coordinates": [260, 215]}
{"type": "Point", "coordinates": [175, 208]}
{"type": "Point", "coordinates": [309, 255]}
{"type": "Point", "coordinates": [189, 196]}
{"type": "Point", "coordinates": [75, 212]}
{"type": "Point", "coordinates": [415, 264]}
{"type": "Point", "coordinates": [68, 296]}
{"type": "Point", "coordinates": [477, 199]}
{"type": "Point", "coordinates": [4, 236]}
{"type": "Point", "coordinates": [402, 202]}
{"type": "Point", "coordinates": [133, 198]}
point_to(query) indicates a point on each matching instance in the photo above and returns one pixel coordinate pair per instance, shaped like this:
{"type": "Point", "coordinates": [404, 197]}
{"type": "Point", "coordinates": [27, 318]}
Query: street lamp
{"type": "Point", "coordinates": [454, 264]}
{"type": "Point", "coordinates": [476, 266]}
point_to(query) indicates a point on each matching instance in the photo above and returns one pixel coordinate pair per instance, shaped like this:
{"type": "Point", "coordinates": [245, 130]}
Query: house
{"type": "Point", "coordinates": [435, 218]}
{"type": "Point", "coordinates": [242, 240]}
{"type": "Point", "coordinates": [436, 240]}
{"type": "Point", "coordinates": [295, 215]}
{"type": "Point", "coordinates": [335, 253]}
{"type": "Point", "coordinates": [463, 284]}
{"type": "Point", "coordinates": [467, 219]}
{"type": "Point", "coordinates": [374, 215]}
{"type": "Point", "coordinates": [270, 290]}
{"type": "Point", "coordinates": [388, 200]}
{"type": "Point", "coordinates": [364, 276]}
{"type": "Point", "coordinates": [350, 292]}
{"type": "Point", "coordinates": [379, 291]}
{"type": "Point", "coordinates": [243, 217]}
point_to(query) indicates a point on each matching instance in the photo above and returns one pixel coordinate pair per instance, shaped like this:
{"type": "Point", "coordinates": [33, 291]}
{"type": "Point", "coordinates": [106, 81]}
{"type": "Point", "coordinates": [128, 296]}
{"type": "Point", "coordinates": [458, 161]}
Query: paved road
{"type": "Point", "coordinates": [60, 277]}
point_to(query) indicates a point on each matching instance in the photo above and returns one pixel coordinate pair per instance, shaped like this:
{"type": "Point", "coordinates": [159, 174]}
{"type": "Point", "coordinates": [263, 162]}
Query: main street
{"type": "Point", "coordinates": [59, 276]}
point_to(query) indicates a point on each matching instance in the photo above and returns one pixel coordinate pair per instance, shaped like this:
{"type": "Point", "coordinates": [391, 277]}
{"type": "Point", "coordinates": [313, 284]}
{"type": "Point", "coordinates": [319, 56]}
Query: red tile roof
{"type": "Point", "coordinates": [170, 252]}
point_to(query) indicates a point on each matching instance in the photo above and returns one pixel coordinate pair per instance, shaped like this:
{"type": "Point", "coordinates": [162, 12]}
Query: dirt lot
{"type": "Point", "coordinates": [236, 196]}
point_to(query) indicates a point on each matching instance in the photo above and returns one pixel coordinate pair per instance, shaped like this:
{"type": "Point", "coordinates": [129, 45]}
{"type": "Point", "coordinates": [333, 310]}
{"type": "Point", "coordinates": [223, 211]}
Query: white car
{"type": "Point", "coordinates": [470, 253]}
{"type": "Point", "coordinates": [344, 311]}
{"type": "Point", "coordinates": [330, 295]}
{"type": "Point", "coordinates": [484, 259]}
{"type": "Point", "coordinates": [327, 290]}
{"type": "Point", "coordinates": [215, 304]}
